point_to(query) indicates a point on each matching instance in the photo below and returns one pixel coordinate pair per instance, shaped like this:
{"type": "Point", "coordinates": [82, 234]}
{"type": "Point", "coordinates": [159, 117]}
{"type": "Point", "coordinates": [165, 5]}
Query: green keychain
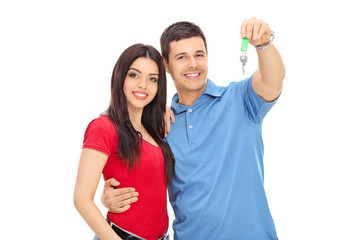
{"type": "Point", "coordinates": [244, 44]}
{"type": "Point", "coordinates": [243, 57]}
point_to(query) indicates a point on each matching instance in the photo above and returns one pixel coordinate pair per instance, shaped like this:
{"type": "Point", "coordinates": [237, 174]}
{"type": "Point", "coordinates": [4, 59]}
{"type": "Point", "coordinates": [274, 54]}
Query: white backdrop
{"type": "Point", "coordinates": [56, 59]}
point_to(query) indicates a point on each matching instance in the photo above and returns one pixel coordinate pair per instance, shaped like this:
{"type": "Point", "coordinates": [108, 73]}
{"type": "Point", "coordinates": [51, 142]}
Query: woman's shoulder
{"type": "Point", "coordinates": [100, 135]}
{"type": "Point", "coordinates": [102, 119]}
{"type": "Point", "coordinates": [101, 124]}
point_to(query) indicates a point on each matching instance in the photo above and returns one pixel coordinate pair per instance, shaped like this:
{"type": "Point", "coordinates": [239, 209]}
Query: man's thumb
{"type": "Point", "coordinates": [112, 183]}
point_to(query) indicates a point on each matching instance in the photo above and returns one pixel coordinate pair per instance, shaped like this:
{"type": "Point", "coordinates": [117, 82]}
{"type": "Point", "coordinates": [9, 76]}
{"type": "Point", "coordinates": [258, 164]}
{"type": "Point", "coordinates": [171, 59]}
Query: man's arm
{"type": "Point", "coordinates": [268, 79]}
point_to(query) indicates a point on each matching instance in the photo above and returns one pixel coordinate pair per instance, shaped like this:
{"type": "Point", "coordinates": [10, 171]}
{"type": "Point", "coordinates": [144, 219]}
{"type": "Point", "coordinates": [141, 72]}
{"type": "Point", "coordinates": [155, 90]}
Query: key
{"type": "Point", "coordinates": [243, 60]}
{"type": "Point", "coordinates": [243, 57]}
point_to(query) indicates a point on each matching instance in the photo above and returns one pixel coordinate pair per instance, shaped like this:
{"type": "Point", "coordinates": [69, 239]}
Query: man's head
{"type": "Point", "coordinates": [183, 47]}
{"type": "Point", "coordinates": [176, 32]}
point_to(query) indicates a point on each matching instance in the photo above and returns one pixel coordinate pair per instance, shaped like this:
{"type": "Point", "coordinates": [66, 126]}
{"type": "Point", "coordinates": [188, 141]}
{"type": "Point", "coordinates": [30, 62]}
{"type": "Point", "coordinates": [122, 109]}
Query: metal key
{"type": "Point", "coordinates": [243, 57]}
{"type": "Point", "coordinates": [243, 60]}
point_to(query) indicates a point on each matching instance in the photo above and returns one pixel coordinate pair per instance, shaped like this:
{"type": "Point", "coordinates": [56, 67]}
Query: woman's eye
{"type": "Point", "coordinates": [133, 75]}
{"type": "Point", "coordinates": [153, 79]}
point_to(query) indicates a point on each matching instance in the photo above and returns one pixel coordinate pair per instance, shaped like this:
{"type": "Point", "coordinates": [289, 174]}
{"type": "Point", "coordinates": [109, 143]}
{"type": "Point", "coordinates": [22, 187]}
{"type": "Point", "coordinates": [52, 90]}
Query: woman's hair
{"type": "Point", "coordinates": [153, 113]}
{"type": "Point", "coordinates": [178, 31]}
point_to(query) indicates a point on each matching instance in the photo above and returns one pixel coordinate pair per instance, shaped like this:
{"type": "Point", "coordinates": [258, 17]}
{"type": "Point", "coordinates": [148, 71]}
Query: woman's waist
{"type": "Point", "coordinates": [149, 222]}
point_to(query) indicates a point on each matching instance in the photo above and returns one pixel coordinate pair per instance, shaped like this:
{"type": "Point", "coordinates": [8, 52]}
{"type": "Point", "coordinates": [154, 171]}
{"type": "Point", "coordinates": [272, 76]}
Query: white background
{"type": "Point", "coordinates": [56, 60]}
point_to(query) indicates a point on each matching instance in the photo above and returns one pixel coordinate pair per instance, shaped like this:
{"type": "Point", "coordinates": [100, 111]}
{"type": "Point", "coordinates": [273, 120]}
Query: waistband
{"type": "Point", "coordinates": [126, 235]}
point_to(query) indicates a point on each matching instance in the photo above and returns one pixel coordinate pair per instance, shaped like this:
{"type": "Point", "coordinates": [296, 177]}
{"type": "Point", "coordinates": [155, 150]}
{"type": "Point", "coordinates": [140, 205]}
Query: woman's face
{"type": "Point", "coordinates": [141, 83]}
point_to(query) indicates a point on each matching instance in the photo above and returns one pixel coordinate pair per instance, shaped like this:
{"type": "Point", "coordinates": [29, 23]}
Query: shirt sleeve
{"type": "Point", "coordinates": [255, 107]}
{"type": "Point", "coordinates": [100, 135]}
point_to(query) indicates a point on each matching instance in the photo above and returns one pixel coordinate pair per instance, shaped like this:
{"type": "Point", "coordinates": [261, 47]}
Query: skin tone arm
{"type": "Point", "coordinates": [91, 165]}
{"type": "Point", "coordinates": [268, 79]}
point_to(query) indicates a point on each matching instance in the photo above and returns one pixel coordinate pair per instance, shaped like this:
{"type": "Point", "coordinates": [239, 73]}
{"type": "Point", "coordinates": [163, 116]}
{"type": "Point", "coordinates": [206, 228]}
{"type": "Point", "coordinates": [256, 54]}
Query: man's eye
{"type": "Point", "coordinates": [181, 57]}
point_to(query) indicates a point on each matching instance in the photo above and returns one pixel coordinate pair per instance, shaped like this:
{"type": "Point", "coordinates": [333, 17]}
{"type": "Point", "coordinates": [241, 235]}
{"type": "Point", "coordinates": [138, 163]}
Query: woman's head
{"type": "Point", "coordinates": [138, 79]}
{"type": "Point", "coordinates": [139, 82]}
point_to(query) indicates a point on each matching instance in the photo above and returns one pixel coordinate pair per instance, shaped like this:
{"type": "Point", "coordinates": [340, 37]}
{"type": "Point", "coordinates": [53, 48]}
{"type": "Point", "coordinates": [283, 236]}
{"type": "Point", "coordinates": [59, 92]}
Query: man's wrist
{"type": "Point", "coordinates": [262, 47]}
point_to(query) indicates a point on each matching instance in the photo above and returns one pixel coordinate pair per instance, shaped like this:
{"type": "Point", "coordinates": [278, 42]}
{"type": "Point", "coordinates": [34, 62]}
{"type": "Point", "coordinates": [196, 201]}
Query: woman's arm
{"type": "Point", "coordinates": [91, 165]}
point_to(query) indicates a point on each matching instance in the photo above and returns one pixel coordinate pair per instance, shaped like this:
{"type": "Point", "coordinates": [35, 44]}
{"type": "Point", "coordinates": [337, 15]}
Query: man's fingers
{"type": "Point", "coordinates": [168, 118]}
{"type": "Point", "coordinates": [125, 202]}
{"type": "Point", "coordinates": [172, 116]}
{"type": "Point", "coordinates": [122, 193]}
{"type": "Point", "coordinates": [256, 30]}
{"type": "Point", "coordinates": [111, 183]}
{"type": "Point", "coordinates": [122, 209]}
{"type": "Point", "coordinates": [243, 28]}
{"type": "Point", "coordinates": [256, 34]}
{"type": "Point", "coordinates": [168, 127]}
{"type": "Point", "coordinates": [265, 30]}
{"type": "Point", "coordinates": [116, 202]}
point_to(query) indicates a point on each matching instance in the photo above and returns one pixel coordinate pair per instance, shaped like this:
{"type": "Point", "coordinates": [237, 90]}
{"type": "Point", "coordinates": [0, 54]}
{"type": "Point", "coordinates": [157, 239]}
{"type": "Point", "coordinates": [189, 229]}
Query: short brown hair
{"type": "Point", "coordinates": [176, 32]}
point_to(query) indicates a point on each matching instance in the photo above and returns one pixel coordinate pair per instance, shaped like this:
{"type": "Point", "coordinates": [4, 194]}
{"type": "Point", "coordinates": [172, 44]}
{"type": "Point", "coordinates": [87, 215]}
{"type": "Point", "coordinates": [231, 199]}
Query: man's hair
{"type": "Point", "coordinates": [176, 32]}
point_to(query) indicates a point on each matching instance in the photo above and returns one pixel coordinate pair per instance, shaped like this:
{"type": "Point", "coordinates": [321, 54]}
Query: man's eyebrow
{"type": "Point", "coordinates": [178, 54]}
{"type": "Point", "coordinates": [200, 51]}
{"type": "Point", "coordinates": [182, 53]}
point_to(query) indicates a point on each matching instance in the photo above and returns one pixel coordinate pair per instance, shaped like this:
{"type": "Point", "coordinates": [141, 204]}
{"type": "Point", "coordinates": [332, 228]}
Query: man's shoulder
{"type": "Point", "coordinates": [232, 87]}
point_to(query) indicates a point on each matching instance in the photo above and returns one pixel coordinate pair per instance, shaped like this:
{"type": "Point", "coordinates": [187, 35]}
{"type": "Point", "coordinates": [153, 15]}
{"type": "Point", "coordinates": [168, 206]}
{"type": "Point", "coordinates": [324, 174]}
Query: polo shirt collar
{"type": "Point", "coordinates": [211, 90]}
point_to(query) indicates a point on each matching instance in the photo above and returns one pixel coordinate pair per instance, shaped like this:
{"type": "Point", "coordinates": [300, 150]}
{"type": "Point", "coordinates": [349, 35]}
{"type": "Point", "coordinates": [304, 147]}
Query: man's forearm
{"type": "Point", "coordinates": [271, 66]}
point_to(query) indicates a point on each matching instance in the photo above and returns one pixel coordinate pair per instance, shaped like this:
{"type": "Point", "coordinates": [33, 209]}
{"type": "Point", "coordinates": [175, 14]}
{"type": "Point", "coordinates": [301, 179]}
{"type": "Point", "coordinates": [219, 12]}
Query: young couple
{"type": "Point", "coordinates": [211, 160]}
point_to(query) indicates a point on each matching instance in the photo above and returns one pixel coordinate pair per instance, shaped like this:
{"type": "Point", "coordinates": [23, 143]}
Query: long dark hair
{"type": "Point", "coordinates": [153, 113]}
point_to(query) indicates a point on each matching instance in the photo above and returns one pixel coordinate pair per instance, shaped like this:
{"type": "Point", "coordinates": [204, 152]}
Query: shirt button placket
{"type": "Point", "coordinates": [190, 126]}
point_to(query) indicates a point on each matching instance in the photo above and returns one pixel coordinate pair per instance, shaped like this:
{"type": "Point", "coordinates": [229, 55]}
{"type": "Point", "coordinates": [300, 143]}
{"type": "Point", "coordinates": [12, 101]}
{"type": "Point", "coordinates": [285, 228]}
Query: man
{"type": "Point", "coordinates": [218, 188]}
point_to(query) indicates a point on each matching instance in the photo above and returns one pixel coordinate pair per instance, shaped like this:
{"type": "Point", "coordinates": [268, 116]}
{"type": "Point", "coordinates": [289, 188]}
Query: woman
{"type": "Point", "coordinates": [126, 143]}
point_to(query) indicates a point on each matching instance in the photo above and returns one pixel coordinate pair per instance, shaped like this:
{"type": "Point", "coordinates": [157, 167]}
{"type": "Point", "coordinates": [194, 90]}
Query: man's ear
{"type": "Point", "coordinates": [166, 65]}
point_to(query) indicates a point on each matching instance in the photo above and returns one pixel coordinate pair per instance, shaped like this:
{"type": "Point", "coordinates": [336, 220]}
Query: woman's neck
{"type": "Point", "coordinates": [135, 118]}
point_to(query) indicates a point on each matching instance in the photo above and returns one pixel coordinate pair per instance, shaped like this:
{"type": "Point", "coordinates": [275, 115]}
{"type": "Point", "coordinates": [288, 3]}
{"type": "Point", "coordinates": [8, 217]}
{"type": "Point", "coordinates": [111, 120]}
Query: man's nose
{"type": "Point", "coordinates": [192, 63]}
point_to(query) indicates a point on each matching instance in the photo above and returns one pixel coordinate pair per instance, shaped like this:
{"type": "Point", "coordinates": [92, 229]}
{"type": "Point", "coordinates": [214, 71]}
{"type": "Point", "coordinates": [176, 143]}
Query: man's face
{"type": "Point", "coordinates": [188, 66]}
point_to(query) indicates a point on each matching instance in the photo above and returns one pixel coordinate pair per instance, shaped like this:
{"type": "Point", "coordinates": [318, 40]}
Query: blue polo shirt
{"type": "Point", "coordinates": [218, 189]}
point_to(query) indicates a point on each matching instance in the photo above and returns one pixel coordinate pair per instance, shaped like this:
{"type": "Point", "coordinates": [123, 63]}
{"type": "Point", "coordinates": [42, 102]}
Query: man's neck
{"type": "Point", "coordinates": [188, 98]}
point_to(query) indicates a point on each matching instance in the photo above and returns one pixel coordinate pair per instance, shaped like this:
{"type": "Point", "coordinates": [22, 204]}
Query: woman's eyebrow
{"type": "Point", "coordinates": [135, 70]}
